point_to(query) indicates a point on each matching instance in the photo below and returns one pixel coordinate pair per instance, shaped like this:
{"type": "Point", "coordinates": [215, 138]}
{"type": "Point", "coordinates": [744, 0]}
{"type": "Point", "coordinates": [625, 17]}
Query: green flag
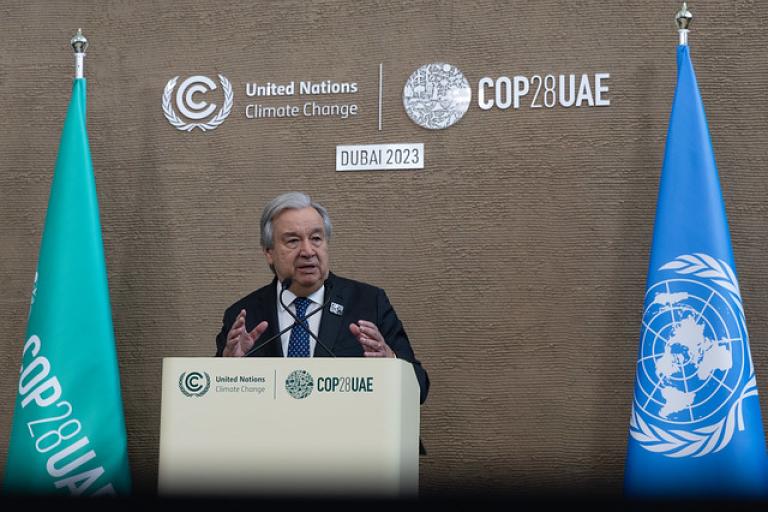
{"type": "Point", "coordinates": [68, 432]}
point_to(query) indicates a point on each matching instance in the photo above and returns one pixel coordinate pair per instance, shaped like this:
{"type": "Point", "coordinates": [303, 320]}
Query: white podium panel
{"type": "Point", "coordinates": [289, 427]}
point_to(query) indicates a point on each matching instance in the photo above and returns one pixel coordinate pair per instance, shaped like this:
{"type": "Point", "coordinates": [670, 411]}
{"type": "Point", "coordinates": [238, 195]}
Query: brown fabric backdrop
{"type": "Point", "coordinates": [516, 259]}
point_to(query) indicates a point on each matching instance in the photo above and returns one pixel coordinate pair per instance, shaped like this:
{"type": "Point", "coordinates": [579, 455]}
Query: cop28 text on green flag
{"type": "Point", "coordinates": [695, 428]}
{"type": "Point", "coordinates": [68, 434]}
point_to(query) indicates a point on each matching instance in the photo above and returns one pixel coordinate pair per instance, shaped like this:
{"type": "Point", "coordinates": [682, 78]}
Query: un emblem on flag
{"type": "Point", "coordinates": [694, 360]}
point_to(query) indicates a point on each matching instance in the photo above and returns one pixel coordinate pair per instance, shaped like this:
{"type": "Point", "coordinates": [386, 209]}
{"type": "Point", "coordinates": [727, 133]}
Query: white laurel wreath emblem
{"type": "Point", "coordinates": [696, 443]}
{"type": "Point", "coordinates": [710, 438]}
{"type": "Point", "coordinates": [703, 265]}
{"type": "Point", "coordinates": [219, 118]}
{"type": "Point", "coordinates": [183, 385]}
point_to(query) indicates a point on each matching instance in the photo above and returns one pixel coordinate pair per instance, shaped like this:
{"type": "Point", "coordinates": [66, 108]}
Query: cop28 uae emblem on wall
{"type": "Point", "coordinates": [190, 103]}
{"type": "Point", "coordinates": [694, 369]}
{"type": "Point", "coordinates": [436, 96]}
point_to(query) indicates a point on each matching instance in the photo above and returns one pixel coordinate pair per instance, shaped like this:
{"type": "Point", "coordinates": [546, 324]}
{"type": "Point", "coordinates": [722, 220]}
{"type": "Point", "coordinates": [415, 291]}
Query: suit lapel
{"type": "Point", "coordinates": [331, 323]}
{"type": "Point", "coordinates": [272, 301]}
{"type": "Point", "coordinates": [268, 304]}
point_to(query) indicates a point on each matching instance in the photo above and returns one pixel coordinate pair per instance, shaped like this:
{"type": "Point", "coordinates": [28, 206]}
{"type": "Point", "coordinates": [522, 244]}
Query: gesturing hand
{"type": "Point", "coordinates": [239, 340]}
{"type": "Point", "coordinates": [370, 338]}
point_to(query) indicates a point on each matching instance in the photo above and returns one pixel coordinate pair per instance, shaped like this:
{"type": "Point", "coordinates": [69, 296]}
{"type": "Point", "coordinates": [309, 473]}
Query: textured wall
{"type": "Point", "coordinates": [516, 258]}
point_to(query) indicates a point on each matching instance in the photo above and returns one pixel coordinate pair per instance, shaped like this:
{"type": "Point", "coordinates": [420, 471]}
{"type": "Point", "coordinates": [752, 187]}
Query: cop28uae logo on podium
{"type": "Point", "coordinates": [195, 109]}
{"type": "Point", "coordinates": [436, 96]}
{"type": "Point", "coordinates": [299, 384]}
{"type": "Point", "coordinates": [694, 368]}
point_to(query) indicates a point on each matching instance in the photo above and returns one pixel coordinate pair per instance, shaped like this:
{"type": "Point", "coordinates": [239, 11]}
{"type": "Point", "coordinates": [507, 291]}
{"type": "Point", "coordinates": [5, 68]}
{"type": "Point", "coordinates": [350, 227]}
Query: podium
{"type": "Point", "coordinates": [289, 427]}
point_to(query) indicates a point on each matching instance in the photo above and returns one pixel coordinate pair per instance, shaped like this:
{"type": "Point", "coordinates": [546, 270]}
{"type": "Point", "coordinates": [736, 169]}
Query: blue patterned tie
{"type": "Point", "coordinates": [298, 345]}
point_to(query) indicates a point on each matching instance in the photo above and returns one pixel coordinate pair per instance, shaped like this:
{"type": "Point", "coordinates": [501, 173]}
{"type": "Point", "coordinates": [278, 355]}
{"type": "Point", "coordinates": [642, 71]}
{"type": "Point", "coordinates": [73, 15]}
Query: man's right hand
{"type": "Point", "coordinates": [240, 341]}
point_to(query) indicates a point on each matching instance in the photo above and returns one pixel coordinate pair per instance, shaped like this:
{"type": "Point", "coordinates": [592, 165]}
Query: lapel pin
{"type": "Point", "coordinates": [337, 309]}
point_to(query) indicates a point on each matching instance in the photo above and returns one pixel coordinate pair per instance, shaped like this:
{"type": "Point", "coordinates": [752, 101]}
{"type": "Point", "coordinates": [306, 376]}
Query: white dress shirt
{"type": "Point", "coordinates": [284, 318]}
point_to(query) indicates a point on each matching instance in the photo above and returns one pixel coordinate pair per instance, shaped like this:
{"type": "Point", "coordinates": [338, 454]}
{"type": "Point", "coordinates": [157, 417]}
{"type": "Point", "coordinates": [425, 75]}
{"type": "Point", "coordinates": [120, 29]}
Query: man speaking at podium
{"type": "Point", "coordinates": [306, 310]}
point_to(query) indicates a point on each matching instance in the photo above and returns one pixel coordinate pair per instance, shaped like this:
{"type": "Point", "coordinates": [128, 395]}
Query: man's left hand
{"type": "Point", "coordinates": [370, 338]}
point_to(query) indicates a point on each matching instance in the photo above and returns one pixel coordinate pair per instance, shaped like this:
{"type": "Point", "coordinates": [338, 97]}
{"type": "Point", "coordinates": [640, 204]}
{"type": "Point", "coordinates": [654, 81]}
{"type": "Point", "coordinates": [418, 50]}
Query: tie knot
{"type": "Point", "coordinates": [301, 303]}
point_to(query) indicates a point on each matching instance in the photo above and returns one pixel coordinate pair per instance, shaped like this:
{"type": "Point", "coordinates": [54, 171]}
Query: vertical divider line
{"type": "Point", "coordinates": [381, 89]}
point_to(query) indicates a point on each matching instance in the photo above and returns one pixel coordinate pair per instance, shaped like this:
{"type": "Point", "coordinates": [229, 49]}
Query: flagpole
{"type": "Point", "coordinates": [79, 44]}
{"type": "Point", "coordinates": [683, 20]}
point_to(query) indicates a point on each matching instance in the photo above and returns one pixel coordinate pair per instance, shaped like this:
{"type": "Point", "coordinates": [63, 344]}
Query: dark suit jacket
{"type": "Point", "coordinates": [360, 301]}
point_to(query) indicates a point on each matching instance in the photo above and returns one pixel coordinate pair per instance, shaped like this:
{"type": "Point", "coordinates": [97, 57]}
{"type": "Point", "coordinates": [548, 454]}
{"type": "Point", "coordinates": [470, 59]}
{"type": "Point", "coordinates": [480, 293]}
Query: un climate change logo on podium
{"type": "Point", "coordinates": [299, 384]}
{"type": "Point", "coordinates": [694, 360]}
{"type": "Point", "coordinates": [194, 383]}
{"type": "Point", "coordinates": [191, 108]}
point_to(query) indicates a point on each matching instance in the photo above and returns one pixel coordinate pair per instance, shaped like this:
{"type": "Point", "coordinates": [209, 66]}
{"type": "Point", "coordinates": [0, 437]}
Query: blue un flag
{"type": "Point", "coordinates": [695, 429]}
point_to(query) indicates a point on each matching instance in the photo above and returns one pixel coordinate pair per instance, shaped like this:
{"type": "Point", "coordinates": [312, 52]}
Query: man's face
{"type": "Point", "coordinates": [300, 249]}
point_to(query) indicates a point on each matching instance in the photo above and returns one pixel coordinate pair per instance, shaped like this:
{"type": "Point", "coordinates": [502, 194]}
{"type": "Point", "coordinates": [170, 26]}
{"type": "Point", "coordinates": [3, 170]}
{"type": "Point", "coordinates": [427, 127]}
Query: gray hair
{"type": "Point", "coordinates": [288, 201]}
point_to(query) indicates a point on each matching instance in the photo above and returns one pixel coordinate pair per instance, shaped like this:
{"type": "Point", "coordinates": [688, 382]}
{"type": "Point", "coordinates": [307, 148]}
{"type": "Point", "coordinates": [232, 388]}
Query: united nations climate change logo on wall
{"type": "Point", "coordinates": [299, 384]}
{"type": "Point", "coordinates": [194, 383]}
{"type": "Point", "coordinates": [436, 96]}
{"type": "Point", "coordinates": [196, 109]}
{"type": "Point", "coordinates": [694, 360]}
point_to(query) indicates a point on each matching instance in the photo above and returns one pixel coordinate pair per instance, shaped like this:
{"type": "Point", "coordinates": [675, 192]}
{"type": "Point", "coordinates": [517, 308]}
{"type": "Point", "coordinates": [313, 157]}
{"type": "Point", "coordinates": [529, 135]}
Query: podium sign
{"type": "Point", "coordinates": [289, 427]}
